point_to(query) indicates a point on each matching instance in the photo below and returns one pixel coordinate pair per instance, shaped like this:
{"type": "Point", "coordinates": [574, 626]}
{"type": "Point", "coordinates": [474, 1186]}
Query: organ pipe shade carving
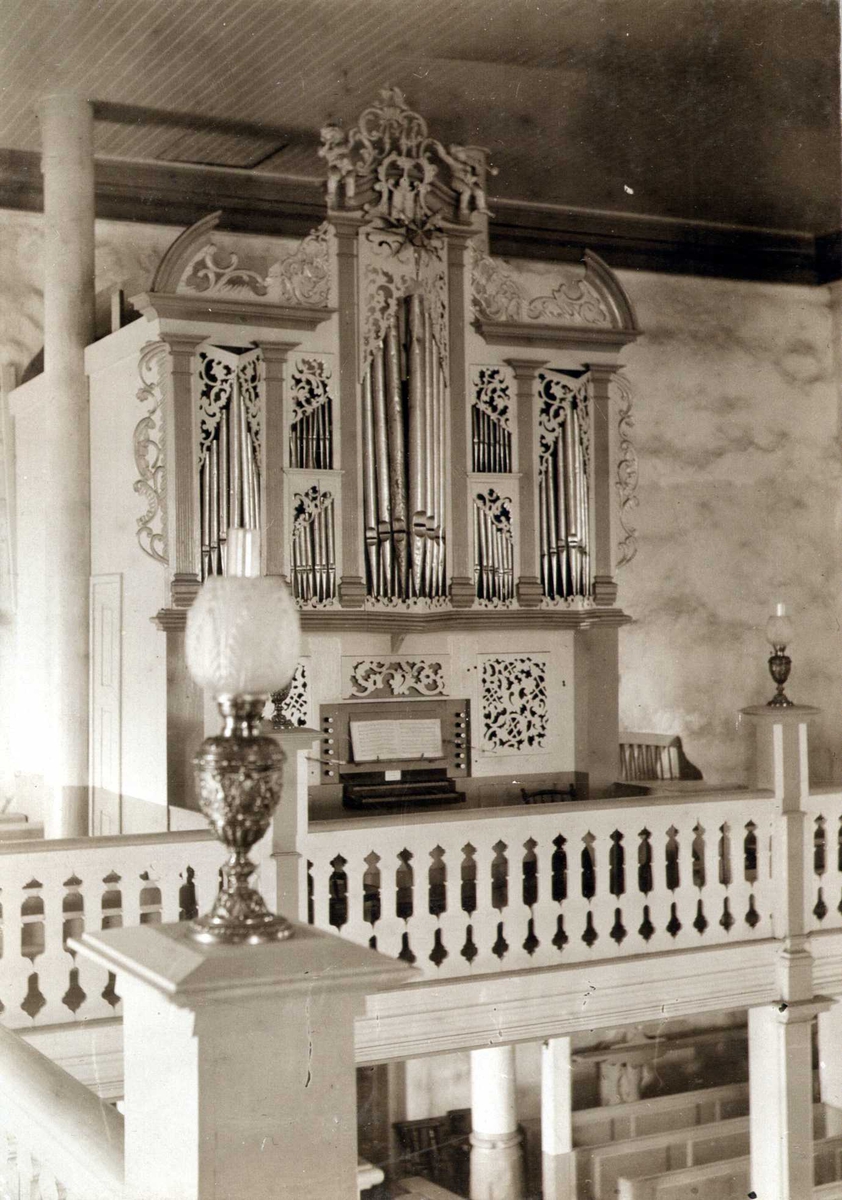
{"type": "Point", "coordinates": [230, 401]}
{"type": "Point", "coordinates": [493, 547]}
{"type": "Point", "coordinates": [563, 485]}
{"type": "Point", "coordinates": [313, 547]}
{"type": "Point", "coordinates": [491, 433]}
{"type": "Point", "coordinates": [403, 427]}
{"type": "Point", "coordinates": [311, 428]}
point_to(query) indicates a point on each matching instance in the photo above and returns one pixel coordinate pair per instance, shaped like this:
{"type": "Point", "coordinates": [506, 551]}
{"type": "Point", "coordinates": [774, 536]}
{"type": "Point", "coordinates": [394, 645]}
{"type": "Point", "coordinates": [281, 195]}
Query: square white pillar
{"type": "Point", "coordinates": [239, 1062]}
{"type": "Point", "coordinates": [781, 1099]}
{"type": "Point", "coordinates": [558, 1159]}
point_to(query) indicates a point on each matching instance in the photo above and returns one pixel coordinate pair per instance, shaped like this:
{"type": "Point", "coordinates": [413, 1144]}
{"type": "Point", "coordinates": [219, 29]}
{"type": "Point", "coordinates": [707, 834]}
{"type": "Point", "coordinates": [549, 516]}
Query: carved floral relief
{"type": "Point", "coordinates": [150, 454]}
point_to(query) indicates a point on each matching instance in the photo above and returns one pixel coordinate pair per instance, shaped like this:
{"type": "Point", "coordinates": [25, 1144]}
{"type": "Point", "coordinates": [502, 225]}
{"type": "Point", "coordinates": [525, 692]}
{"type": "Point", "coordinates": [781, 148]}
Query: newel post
{"type": "Point", "coordinates": [239, 1061]}
{"type": "Point", "coordinates": [780, 1034]}
{"type": "Point", "coordinates": [285, 890]}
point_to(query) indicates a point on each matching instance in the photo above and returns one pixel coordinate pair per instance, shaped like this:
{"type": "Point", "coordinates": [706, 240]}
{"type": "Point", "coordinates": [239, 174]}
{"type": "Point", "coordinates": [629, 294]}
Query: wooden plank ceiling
{"type": "Point", "coordinates": [722, 111]}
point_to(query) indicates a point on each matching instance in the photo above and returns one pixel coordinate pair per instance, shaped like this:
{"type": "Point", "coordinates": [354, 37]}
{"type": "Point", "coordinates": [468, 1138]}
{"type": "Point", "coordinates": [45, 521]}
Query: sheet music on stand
{"type": "Point", "coordinates": [388, 741]}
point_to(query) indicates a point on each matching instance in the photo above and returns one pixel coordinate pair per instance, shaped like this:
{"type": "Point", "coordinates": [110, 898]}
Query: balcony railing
{"type": "Point", "coordinates": [513, 888]}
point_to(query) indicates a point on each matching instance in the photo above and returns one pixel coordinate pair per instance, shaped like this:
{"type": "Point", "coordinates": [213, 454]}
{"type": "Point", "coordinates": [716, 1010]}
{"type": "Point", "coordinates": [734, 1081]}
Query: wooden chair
{"type": "Point", "coordinates": [654, 756]}
{"type": "Point", "coordinates": [425, 1148]}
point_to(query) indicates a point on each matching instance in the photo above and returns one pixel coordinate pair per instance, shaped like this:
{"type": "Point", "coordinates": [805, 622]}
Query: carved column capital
{"type": "Point", "coordinates": [526, 369]}
{"type": "Point", "coordinates": [182, 347]}
{"type": "Point", "coordinates": [275, 355]}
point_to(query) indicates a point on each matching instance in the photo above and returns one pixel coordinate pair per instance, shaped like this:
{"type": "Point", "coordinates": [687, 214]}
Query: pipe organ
{"type": "Point", "coordinates": [427, 437]}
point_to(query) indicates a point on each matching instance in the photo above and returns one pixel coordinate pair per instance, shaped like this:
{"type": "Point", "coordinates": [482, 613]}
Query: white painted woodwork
{"type": "Point", "coordinates": [496, 933]}
{"type": "Point", "coordinates": [496, 1143]}
{"type": "Point", "coordinates": [210, 1033]}
{"type": "Point", "coordinates": [68, 167]}
{"type": "Point", "coordinates": [106, 690]}
{"type": "Point", "coordinates": [55, 889]}
{"type": "Point", "coordinates": [830, 1064]}
{"type": "Point", "coordinates": [558, 1160]}
{"type": "Point", "coordinates": [60, 1130]}
{"type": "Point", "coordinates": [781, 1105]}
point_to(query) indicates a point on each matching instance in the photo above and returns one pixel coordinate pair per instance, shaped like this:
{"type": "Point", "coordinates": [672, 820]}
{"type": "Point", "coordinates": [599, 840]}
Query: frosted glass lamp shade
{"type": "Point", "coordinates": [242, 635]}
{"type": "Point", "coordinates": [779, 628]}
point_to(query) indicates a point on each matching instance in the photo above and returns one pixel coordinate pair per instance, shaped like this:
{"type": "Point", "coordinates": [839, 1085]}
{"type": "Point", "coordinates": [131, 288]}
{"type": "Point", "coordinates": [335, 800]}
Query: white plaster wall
{"type": "Point", "coordinates": [736, 412]}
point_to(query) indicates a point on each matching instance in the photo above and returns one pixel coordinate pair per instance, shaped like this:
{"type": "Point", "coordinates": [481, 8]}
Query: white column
{"type": "Point", "coordinates": [830, 1066]}
{"type": "Point", "coordinates": [68, 166]}
{"type": "Point", "coordinates": [239, 1070]}
{"type": "Point", "coordinates": [558, 1159]}
{"type": "Point", "coordinates": [496, 1154]}
{"type": "Point", "coordinates": [781, 1100]}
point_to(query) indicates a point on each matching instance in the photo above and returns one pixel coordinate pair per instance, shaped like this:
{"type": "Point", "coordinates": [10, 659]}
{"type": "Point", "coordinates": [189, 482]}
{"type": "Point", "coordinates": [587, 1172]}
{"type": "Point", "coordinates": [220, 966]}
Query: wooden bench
{"type": "Point", "coordinates": [727, 1179]}
{"type": "Point", "coordinates": [619, 1122]}
{"type": "Point", "coordinates": [673, 1150]}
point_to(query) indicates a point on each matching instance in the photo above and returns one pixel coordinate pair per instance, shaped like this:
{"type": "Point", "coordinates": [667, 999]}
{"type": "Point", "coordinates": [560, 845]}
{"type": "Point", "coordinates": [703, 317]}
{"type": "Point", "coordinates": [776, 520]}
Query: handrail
{"type": "Point", "coordinates": [613, 805]}
{"type": "Point", "coordinates": [63, 845]}
{"type": "Point", "coordinates": [77, 1135]}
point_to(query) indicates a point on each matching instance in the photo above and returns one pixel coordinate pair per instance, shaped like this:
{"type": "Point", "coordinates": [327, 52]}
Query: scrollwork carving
{"type": "Point", "coordinates": [627, 472]}
{"type": "Point", "coordinates": [291, 706]}
{"type": "Point", "coordinates": [149, 455]}
{"type": "Point", "coordinates": [385, 284]}
{"type": "Point", "coordinates": [303, 277]}
{"type": "Point", "coordinates": [493, 393]}
{"type": "Point", "coordinates": [313, 548]}
{"type": "Point", "coordinates": [498, 296]}
{"type": "Point", "coordinates": [575, 303]}
{"type": "Point", "coordinates": [390, 151]}
{"type": "Point", "coordinates": [216, 381]}
{"type": "Point", "coordinates": [515, 717]}
{"type": "Point", "coordinates": [397, 677]}
{"type": "Point", "coordinates": [207, 273]}
{"type": "Point", "coordinates": [557, 392]}
{"type": "Point", "coordinates": [299, 279]}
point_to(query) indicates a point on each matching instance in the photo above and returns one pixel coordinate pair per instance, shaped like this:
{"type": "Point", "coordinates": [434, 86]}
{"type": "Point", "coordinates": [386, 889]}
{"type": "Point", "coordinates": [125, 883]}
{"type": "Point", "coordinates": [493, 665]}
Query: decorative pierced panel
{"type": "Point", "coordinates": [563, 488]}
{"type": "Point", "coordinates": [491, 431]}
{"type": "Point", "coordinates": [292, 705]}
{"type": "Point", "coordinates": [515, 716]}
{"type": "Point", "coordinates": [230, 408]}
{"type": "Point", "coordinates": [494, 563]}
{"type": "Point", "coordinates": [311, 428]}
{"type": "Point", "coordinates": [383, 678]}
{"type": "Point", "coordinates": [313, 547]}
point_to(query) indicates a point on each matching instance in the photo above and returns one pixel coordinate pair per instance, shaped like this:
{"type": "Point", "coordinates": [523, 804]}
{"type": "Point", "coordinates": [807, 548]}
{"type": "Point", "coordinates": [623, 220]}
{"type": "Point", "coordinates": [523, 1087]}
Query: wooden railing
{"type": "Point", "coordinates": [55, 890]}
{"type": "Point", "coordinates": [56, 1138]}
{"type": "Point", "coordinates": [460, 894]}
{"type": "Point", "coordinates": [823, 859]}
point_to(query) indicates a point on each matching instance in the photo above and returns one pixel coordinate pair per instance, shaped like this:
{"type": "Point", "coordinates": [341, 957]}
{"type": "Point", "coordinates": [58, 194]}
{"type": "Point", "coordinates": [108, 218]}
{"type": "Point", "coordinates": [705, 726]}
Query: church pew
{"type": "Point", "coordinates": [727, 1179]}
{"type": "Point", "coordinates": [619, 1122]}
{"type": "Point", "coordinates": [660, 1153]}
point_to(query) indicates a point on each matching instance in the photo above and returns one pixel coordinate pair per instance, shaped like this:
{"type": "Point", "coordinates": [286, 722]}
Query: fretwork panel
{"type": "Point", "coordinates": [231, 386]}
{"type": "Point", "coordinates": [563, 485]}
{"type": "Point", "coordinates": [491, 420]}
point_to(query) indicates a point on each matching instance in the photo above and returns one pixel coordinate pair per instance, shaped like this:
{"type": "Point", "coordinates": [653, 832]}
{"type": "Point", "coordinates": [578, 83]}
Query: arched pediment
{"type": "Point", "coordinates": [210, 272]}
{"type": "Point", "coordinates": [582, 302]}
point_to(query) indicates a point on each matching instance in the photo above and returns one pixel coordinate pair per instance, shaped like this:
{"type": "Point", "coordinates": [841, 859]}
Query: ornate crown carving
{"type": "Point", "coordinates": [390, 153]}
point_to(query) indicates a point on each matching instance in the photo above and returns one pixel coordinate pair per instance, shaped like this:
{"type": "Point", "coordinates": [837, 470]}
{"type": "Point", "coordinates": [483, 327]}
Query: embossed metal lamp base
{"type": "Point", "coordinates": [780, 665]}
{"type": "Point", "coordinates": [239, 778]}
